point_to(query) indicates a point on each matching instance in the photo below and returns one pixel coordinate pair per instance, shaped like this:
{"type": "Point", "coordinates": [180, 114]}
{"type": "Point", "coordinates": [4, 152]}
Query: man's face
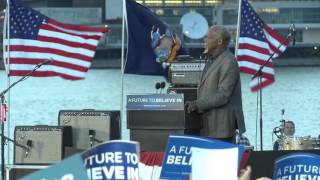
{"type": "Point", "coordinates": [212, 41]}
{"type": "Point", "coordinates": [289, 129]}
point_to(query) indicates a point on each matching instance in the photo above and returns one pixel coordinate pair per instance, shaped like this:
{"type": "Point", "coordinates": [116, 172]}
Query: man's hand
{"type": "Point", "coordinates": [191, 106]}
{"type": "Point", "coordinates": [245, 173]}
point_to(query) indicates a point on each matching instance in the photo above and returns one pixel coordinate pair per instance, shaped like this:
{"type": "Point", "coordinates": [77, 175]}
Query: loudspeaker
{"type": "Point", "coordinates": [90, 126]}
{"type": "Point", "coordinates": [14, 172]}
{"type": "Point", "coordinates": [45, 144]}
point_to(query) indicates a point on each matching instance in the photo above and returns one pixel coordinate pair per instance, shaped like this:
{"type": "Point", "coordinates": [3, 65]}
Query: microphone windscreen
{"type": "Point", "coordinates": [158, 85]}
{"type": "Point", "coordinates": [29, 143]}
{"type": "Point", "coordinates": [163, 85]}
{"type": "Point", "coordinates": [91, 132]}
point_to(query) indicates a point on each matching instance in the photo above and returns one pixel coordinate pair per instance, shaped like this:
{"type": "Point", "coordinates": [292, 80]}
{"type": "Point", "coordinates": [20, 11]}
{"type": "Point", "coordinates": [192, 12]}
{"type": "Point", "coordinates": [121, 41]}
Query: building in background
{"type": "Point", "coordinates": [279, 14]}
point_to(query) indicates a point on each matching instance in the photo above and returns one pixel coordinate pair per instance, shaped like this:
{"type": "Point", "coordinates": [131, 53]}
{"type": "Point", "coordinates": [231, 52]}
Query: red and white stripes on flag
{"type": "Point", "coordinates": [257, 42]}
{"type": "Point", "coordinates": [35, 38]}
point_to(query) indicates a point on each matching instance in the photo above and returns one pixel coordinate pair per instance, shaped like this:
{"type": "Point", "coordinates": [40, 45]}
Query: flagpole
{"type": "Point", "coordinates": [5, 56]}
{"type": "Point", "coordinates": [238, 29]}
{"type": "Point", "coordinates": [124, 10]}
{"type": "Point", "coordinates": [8, 79]}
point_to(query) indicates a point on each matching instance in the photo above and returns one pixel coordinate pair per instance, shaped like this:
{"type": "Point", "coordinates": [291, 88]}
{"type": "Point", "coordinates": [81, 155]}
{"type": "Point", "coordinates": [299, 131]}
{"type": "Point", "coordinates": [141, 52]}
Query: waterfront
{"type": "Point", "coordinates": [38, 100]}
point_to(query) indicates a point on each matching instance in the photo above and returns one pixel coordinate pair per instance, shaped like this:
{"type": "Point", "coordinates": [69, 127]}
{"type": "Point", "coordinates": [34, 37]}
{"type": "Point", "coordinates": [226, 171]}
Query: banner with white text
{"type": "Point", "coordinates": [113, 160]}
{"type": "Point", "coordinates": [297, 166]}
{"type": "Point", "coordinates": [177, 159]}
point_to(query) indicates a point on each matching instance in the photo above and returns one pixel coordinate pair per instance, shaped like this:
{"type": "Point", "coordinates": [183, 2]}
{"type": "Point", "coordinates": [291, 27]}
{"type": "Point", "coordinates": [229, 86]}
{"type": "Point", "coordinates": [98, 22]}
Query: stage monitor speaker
{"type": "Point", "coordinates": [45, 144]}
{"type": "Point", "coordinates": [90, 127]}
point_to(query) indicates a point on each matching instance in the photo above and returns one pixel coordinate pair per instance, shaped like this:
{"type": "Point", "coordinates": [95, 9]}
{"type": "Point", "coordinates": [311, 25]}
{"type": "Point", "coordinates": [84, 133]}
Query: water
{"type": "Point", "coordinates": [38, 100]}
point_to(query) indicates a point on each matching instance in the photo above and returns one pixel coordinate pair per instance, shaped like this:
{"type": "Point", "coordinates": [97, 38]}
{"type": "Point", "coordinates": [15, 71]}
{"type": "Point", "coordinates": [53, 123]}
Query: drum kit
{"type": "Point", "coordinates": [290, 142]}
{"type": "Point", "coordinates": [299, 143]}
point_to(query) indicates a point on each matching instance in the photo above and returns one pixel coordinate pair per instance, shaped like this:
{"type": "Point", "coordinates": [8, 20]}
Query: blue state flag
{"type": "Point", "coordinates": [152, 45]}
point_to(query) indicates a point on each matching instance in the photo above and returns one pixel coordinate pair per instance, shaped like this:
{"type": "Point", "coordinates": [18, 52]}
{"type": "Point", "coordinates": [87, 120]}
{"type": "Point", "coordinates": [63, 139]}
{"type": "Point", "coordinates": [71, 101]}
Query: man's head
{"type": "Point", "coordinates": [289, 128]}
{"type": "Point", "coordinates": [217, 39]}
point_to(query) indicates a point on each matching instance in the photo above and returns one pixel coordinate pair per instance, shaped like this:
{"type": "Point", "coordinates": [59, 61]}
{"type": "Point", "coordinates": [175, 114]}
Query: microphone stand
{"type": "Point", "coordinates": [15, 142]}
{"type": "Point", "coordinates": [3, 114]}
{"type": "Point", "coordinates": [259, 75]}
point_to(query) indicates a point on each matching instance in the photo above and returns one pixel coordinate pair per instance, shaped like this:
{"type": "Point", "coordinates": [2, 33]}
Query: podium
{"type": "Point", "coordinates": [153, 117]}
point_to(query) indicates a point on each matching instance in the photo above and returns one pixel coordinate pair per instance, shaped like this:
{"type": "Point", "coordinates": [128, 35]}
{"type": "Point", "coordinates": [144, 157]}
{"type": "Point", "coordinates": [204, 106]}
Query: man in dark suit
{"type": "Point", "coordinates": [219, 93]}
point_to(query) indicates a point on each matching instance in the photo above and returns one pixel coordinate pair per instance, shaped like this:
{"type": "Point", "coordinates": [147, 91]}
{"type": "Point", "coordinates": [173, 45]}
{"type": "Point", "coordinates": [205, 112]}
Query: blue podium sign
{"type": "Point", "coordinates": [297, 166]}
{"type": "Point", "coordinates": [155, 102]}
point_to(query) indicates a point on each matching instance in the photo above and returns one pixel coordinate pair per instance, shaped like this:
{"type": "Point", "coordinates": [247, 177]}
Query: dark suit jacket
{"type": "Point", "coordinates": [219, 98]}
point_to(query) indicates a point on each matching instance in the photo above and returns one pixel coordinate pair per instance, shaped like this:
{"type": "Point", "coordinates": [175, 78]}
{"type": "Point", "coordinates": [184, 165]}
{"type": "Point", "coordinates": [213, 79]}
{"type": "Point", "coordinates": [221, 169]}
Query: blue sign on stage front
{"type": "Point", "coordinates": [177, 159]}
{"type": "Point", "coordinates": [297, 166]}
{"type": "Point", "coordinates": [155, 102]}
{"type": "Point", "coordinates": [113, 160]}
{"type": "Point", "coordinates": [71, 168]}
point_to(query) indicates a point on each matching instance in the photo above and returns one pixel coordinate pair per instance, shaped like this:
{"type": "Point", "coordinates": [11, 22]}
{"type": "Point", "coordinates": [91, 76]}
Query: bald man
{"type": "Point", "coordinates": [219, 93]}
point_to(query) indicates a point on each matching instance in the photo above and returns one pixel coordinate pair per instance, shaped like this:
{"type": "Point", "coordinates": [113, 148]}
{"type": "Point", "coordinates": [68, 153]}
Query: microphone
{"type": "Point", "coordinates": [92, 133]}
{"type": "Point", "coordinates": [29, 146]}
{"type": "Point", "coordinates": [162, 86]}
{"type": "Point", "coordinates": [204, 55]}
{"type": "Point", "coordinates": [45, 62]}
{"type": "Point", "coordinates": [157, 86]}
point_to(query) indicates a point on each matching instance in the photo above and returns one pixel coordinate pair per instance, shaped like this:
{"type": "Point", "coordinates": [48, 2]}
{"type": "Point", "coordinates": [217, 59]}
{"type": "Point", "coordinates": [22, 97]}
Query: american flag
{"type": "Point", "coordinates": [256, 43]}
{"type": "Point", "coordinates": [35, 38]}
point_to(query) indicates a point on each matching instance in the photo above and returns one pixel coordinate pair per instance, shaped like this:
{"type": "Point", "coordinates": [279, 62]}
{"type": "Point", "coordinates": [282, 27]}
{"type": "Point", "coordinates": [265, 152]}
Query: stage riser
{"type": "Point", "coordinates": [19, 171]}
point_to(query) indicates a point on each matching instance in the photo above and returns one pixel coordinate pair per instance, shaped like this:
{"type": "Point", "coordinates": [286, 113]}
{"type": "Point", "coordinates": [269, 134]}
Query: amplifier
{"type": "Point", "coordinates": [90, 127]}
{"type": "Point", "coordinates": [45, 144]}
{"type": "Point", "coordinates": [14, 172]}
{"type": "Point", "coordinates": [186, 73]}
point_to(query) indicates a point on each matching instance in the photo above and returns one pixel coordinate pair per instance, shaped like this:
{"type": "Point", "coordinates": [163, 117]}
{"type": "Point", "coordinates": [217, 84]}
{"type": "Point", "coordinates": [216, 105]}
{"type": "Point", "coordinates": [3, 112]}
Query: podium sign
{"type": "Point", "coordinates": [155, 102]}
{"type": "Point", "coordinates": [153, 117]}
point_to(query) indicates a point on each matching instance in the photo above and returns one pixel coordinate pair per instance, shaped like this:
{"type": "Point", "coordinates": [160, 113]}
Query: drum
{"type": "Point", "coordinates": [296, 143]}
{"type": "Point", "coordinates": [315, 143]}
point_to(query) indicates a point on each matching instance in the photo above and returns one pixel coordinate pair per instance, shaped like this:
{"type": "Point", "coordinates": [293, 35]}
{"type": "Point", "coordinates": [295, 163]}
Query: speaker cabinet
{"type": "Point", "coordinates": [91, 126]}
{"type": "Point", "coordinates": [45, 144]}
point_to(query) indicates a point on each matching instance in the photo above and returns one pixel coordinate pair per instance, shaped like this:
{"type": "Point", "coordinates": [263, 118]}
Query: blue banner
{"type": "Point", "coordinates": [177, 159]}
{"type": "Point", "coordinates": [113, 160]}
{"type": "Point", "coordinates": [297, 166]}
{"type": "Point", "coordinates": [69, 169]}
{"type": "Point", "coordinates": [155, 102]}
